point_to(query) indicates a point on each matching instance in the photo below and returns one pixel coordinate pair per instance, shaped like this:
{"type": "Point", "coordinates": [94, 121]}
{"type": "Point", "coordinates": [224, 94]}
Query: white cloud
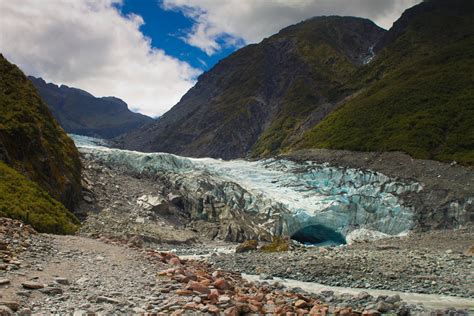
{"type": "Point", "coordinates": [253, 20]}
{"type": "Point", "coordinates": [88, 44]}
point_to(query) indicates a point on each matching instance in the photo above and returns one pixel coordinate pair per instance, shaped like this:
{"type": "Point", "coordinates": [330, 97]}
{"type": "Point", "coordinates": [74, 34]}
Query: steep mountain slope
{"type": "Point", "coordinates": [254, 100]}
{"type": "Point", "coordinates": [421, 96]}
{"type": "Point", "coordinates": [34, 145]}
{"type": "Point", "coordinates": [79, 112]}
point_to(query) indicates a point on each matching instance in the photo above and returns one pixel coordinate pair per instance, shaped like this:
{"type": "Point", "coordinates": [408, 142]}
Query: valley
{"type": "Point", "coordinates": [150, 202]}
{"type": "Point", "coordinates": [326, 170]}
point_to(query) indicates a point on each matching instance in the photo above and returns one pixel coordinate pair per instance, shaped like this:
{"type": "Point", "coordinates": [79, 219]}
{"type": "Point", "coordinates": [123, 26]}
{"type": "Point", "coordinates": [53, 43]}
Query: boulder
{"type": "Point", "coordinates": [246, 246]}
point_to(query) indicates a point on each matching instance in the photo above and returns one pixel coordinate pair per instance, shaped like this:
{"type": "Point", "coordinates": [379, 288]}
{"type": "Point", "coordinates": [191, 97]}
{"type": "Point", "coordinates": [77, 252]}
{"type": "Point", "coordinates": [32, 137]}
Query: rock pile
{"type": "Point", "coordinates": [15, 238]}
{"type": "Point", "coordinates": [204, 289]}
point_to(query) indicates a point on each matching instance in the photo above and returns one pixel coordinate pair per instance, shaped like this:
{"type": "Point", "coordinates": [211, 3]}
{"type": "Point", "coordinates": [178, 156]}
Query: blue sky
{"type": "Point", "coordinates": [167, 28]}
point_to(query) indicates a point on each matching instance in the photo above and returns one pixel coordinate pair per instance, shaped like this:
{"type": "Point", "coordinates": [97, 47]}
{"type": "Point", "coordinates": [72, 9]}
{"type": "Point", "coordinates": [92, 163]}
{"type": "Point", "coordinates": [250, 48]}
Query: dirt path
{"type": "Point", "coordinates": [102, 277]}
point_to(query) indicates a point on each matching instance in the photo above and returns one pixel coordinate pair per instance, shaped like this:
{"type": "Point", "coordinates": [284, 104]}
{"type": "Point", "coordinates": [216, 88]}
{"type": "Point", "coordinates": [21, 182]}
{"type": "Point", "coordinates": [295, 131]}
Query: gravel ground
{"type": "Point", "coordinates": [436, 262]}
{"type": "Point", "coordinates": [43, 274]}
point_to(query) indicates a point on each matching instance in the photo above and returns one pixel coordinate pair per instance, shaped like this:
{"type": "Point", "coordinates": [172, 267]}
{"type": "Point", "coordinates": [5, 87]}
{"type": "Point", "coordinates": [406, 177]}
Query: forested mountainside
{"type": "Point", "coordinates": [39, 163]}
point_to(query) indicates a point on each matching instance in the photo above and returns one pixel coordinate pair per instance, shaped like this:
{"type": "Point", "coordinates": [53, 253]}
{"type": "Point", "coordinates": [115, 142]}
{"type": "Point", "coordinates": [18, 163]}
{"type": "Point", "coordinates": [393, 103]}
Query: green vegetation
{"type": "Point", "coordinates": [329, 70]}
{"type": "Point", "coordinates": [31, 141]}
{"type": "Point", "coordinates": [278, 244]}
{"type": "Point", "coordinates": [420, 96]}
{"type": "Point", "coordinates": [297, 105]}
{"type": "Point", "coordinates": [23, 199]}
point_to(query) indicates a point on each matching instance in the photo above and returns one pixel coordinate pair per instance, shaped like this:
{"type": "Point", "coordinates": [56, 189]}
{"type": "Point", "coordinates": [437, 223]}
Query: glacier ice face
{"type": "Point", "coordinates": [273, 196]}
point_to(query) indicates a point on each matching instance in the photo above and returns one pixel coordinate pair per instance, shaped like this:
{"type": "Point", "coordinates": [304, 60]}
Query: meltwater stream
{"type": "Point", "coordinates": [312, 202]}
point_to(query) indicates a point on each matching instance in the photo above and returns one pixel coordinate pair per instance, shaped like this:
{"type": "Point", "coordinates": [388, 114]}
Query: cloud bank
{"type": "Point", "coordinates": [88, 44]}
{"type": "Point", "coordinates": [218, 22]}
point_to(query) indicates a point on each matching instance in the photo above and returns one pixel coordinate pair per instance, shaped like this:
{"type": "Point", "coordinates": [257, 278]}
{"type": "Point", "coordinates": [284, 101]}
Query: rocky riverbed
{"type": "Point", "coordinates": [44, 274]}
{"type": "Point", "coordinates": [436, 262]}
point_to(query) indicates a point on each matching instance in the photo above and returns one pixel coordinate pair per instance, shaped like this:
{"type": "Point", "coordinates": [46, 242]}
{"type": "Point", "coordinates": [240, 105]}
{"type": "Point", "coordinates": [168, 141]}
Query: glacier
{"type": "Point", "coordinates": [259, 199]}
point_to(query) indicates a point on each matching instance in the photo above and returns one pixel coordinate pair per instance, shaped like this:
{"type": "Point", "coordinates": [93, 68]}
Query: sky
{"type": "Point", "coordinates": [150, 52]}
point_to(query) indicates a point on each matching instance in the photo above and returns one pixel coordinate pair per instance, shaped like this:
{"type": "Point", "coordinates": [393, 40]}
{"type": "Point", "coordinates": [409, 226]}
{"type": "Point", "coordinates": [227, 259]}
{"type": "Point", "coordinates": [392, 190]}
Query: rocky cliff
{"type": "Point", "coordinates": [79, 112]}
{"type": "Point", "coordinates": [33, 147]}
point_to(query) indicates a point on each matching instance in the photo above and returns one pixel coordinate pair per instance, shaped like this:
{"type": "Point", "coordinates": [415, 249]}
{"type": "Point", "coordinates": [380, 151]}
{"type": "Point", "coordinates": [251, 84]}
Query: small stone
{"type": "Point", "coordinates": [301, 304]}
{"type": "Point", "coordinates": [138, 310]}
{"type": "Point", "coordinates": [4, 281]}
{"type": "Point", "coordinates": [393, 299]}
{"type": "Point", "coordinates": [105, 299]}
{"type": "Point", "coordinates": [197, 299]}
{"type": "Point", "coordinates": [221, 284]}
{"type": "Point", "coordinates": [213, 309]}
{"type": "Point", "coordinates": [13, 305]}
{"type": "Point", "coordinates": [52, 290]}
{"type": "Point", "coordinates": [5, 311]}
{"type": "Point", "coordinates": [224, 299]}
{"type": "Point", "coordinates": [62, 281]}
{"type": "Point", "coordinates": [198, 287]}
{"type": "Point", "coordinates": [174, 261]}
{"type": "Point", "coordinates": [371, 312]}
{"type": "Point", "coordinates": [383, 307]}
{"type": "Point", "coordinates": [31, 285]}
{"type": "Point", "coordinates": [184, 292]}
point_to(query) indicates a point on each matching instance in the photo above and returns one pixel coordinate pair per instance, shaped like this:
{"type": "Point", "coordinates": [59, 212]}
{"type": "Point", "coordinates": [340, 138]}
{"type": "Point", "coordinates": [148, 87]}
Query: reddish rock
{"type": "Point", "coordinates": [174, 261]}
{"type": "Point", "coordinates": [205, 282]}
{"type": "Point", "coordinates": [184, 292]}
{"type": "Point", "coordinates": [198, 287]}
{"type": "Point", "coordinates": [213, 309]}
{"type": "Point", "coordinates": [301, 311]}
{"type": "Point", "coordinates": [191, 305]}
{"type": "Point", "coordinates": [191, 276]}
{"type": "Point", "coordinates": [213, 295]}
{"type": "Point", "coordinates": [301, 304]}
{"type": "Point", "coordinates": [231, 311]}
{"type": "Point", "coordinates": [221, 284]}
{"type": "Point", "coordinates": [255, 302]}
{"type": "Point", "coordinates": [254, 308]}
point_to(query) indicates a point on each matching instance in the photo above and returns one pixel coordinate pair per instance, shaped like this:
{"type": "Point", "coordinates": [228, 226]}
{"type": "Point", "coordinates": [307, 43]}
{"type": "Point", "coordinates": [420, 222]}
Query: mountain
{"type": "Point", "coordinates": [337, 83]}
{"type": "Point", "coordinates": [420, 96]}
{"type": "Point", "coordinates": [79, 112]}
{"type": "Point", "coordinates": [275, 85]}
{"type": "Point", "coordinates": [39, 163]}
